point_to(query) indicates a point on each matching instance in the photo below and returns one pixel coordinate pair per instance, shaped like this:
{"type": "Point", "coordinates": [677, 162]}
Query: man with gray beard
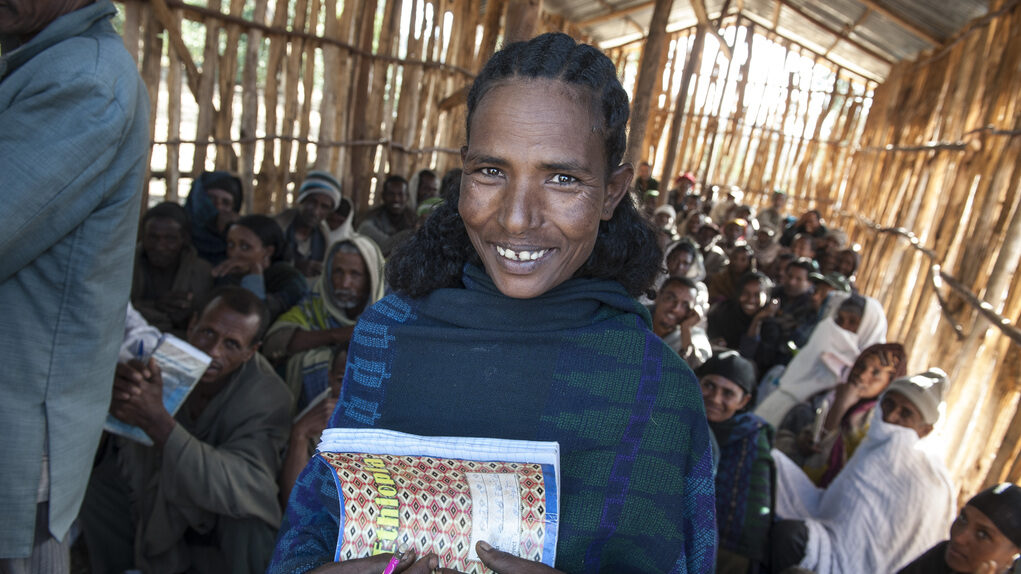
{"type": "Point", "coordinates": [307, 334]}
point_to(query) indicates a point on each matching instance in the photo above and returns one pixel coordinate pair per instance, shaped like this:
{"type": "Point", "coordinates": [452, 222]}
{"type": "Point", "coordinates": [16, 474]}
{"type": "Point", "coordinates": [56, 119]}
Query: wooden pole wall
{"type": "Point", "coordinates": [374, 109]}
{"type": "Point", "coordinates": [939, 156]}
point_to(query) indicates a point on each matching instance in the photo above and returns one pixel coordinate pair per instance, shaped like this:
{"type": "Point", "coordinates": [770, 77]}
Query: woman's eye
{"type": "Point", "coordinates": [562, 179]}
{"type": "Point", "coordinates": [490, 172]}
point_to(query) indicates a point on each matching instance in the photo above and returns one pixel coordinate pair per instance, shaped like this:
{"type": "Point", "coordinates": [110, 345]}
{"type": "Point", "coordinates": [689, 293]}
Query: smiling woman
{"type": "Point", "coordinates": [514, 317]}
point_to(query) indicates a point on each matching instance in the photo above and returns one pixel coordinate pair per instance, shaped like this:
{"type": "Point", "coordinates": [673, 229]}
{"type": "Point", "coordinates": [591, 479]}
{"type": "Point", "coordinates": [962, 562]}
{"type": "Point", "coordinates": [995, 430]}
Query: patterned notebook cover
{"type": "Point", "coordinates": [445, 506]}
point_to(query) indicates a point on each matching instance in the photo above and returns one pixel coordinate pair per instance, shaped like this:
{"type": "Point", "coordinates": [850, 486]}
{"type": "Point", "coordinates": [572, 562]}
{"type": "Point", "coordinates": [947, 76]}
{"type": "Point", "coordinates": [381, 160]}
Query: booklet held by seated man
{"type": "Point", "coordinates": [443, 495]}
{"type": "Point", "coordinates": [181, 366]}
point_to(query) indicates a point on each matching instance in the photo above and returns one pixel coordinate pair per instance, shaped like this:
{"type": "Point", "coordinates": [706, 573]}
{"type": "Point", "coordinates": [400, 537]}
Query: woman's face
{"type": "Point", "coordinates": [535, 185]}
{"type": "Point", "coordinates": [874, 378]}
{"type": "Point", "coordinates": [722, 398]}
{"type": "Point", "coordinates": [679, 262]}
{"type": "Point", "coordinates": [848, 320]}
{"type": "Point", "coordinates": [752, 298]}
{"type": "Point", "coordinates": [740, 261]}
{"type": "Point", "coordinates": [244, 244]}
{"type": "Point", "coordinates": [974, 539]}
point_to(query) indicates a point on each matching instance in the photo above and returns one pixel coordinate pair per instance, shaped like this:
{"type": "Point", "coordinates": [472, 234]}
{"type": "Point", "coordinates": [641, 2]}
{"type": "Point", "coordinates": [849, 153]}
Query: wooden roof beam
{"type": "Point", "coordinates": [823, 25]}
{"type": "Point", "coordinates": [902, 22]}
{"type": "Point", "coordinates": [619, 12]}
{"type": "Point", "coordinates": [627, 18]}
{"type": "Point", "coordinates": [703, 20]}
{"type": "Point", "coordinates": [846, 33]}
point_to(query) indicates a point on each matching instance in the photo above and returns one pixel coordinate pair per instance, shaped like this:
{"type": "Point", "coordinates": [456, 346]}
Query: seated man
{"type": "Point", "coordinates": [890, 503]}
{"type": "Point", "coordinates": [306, 233]}
{"type": "Point", "coordinates": [675, 318]}
{"type": "Point", "coordinates": [743, 481]}
{"type": "Point", "coordinates": [351, 282]}
{"type": "Point", "coordinates": [204, 498]}
{"type": "Point", "coordinates": [385, 221]}
{"type": "Point", "coordinates": [796, 308]}
{"type": "Point", "coordinates": [984, 539]}
{"type": "Point", "coordinates": [428, 186]}
{"type": "Point", "coordinates": [169, 275]}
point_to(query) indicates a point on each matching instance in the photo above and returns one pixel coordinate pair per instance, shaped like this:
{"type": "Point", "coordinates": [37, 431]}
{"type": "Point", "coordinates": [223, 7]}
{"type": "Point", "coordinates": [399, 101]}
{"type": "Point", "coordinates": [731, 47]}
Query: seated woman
{"type": "Point", "coordinates": [842, 425]}
{"type": "Point", "coordinates": [831, 349]}
{"type": "Point", "coordinates": [254, 251]}
{"type": "Point", "coordinates": [513, 316]}
{"type": "Point", "coordinates": [743, 481]}
{"type": "Point", "coordinates": [984, 539]}
{"type": "Point", "coordinates": [723, 285]}
{"type": "Point", "coordinates": [735, 323]}
{"type": "Point", "coordinates": [213, 204]}
{"type": "Point", "coordinates": [682, 259]}
{"type": "Point", "coordinates": [854, 404]}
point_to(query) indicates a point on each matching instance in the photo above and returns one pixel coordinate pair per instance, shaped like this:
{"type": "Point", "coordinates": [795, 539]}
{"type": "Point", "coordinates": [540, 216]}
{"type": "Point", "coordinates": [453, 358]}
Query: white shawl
{"type": "Point", "coordinates": [823, 361]}
{"type": "Point", "coordinates": [892, 502]}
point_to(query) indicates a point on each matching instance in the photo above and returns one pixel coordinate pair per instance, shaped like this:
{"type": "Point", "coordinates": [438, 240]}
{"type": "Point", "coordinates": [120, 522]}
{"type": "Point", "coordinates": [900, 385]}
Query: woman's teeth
{"type": "Point", "coordinates": [520, 255]}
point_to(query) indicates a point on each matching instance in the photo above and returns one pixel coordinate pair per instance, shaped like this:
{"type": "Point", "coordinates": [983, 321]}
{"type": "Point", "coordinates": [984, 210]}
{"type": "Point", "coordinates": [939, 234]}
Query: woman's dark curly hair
{"type": "Point", "coordinates": [625, 251]}
{"type": "Point", "coordinates": [268, 232]}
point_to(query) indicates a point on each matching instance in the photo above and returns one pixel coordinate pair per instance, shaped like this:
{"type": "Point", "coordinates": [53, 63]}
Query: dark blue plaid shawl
{"type": "Point", "coordinates": [578, 365]}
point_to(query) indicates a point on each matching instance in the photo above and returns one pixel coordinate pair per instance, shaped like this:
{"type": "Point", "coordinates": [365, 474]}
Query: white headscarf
{"type": "Point", "coordinates": [893, 501]}
{"type": "Point", "coordinates": [824, 361]}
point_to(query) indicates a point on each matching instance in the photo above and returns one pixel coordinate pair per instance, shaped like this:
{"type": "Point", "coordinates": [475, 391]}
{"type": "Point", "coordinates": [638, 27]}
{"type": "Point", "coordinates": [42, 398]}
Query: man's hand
{"type": "Point", "coordinates": [176, 305]}
{"type": "Point", "coordinates": [694, 317]}
{"type": "Point", "coordinates": [138, 399]}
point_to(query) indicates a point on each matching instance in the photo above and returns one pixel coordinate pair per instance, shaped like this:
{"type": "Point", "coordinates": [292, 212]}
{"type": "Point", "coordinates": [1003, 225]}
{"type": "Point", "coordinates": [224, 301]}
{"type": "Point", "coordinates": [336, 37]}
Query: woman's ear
{"type": "Point", "coordinates": [744, 402]}
{"type": "Point", "coordinates": [617, 185]}
{"type": "Point", "coordinates": [270, 251]}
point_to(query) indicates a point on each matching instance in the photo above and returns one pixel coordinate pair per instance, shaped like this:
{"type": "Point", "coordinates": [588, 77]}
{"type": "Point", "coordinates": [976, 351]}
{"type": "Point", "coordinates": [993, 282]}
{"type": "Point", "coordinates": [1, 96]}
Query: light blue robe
{"type": "Point", "coordinates": [74, 139]}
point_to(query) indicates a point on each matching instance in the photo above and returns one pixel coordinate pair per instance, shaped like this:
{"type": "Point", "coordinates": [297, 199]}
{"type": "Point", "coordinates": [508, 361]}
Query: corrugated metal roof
{"type": "Point", "coordinates": [863, 35]}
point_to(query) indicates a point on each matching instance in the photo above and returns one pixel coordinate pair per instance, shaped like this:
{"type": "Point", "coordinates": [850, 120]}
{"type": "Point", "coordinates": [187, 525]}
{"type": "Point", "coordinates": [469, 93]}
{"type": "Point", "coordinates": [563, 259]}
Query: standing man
{"type": "Point", "coordinates": [73, 144]}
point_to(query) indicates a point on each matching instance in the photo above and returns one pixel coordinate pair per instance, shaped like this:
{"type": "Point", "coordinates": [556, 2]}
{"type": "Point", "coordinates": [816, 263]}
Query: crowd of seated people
{"type": "Point", "coordinates": [806, 400]}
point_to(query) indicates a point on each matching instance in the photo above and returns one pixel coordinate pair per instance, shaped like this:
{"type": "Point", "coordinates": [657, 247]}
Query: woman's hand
{"type": "Point", "coordinates": [497, 561]}
{"type": "Point", "coordinates": [237, 266]}
{"type": "Point", "coordinates": [504, 563]}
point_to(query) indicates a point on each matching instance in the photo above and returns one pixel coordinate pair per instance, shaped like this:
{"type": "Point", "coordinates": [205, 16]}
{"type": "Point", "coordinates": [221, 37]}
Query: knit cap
{"type": "Point", "coordinates": [731, 366]}
{"type": "Point", "coordinates": [320, 182]}
{"type": "Point", "coordinates": [1002, 504]}
{"type": "Point", "coordinates": [924, 390]}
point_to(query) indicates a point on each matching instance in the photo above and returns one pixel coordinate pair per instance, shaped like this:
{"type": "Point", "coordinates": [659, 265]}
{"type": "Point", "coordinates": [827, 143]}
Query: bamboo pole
{"type": "Point", "coordinates": [226, 158]}
{"type": "Point", "coordinates": [680, 103]}
{"type": "Point", "coordinates": [361, 160]}
{"type": "Point", "coordinates": [649, 71]}
{"type": "Point", "coordinates": [207, 84]}
{"type": "Point", "coordinates": [521, 19]}
{"type": "Point", "coordinates": [308, 83]}
{"type": "Point", "coordinates": [151, 58]}
{"type": "Point", "coordinates": [267, 182]}
{"type": "Point", "coordinates": [173, 121]}
{"type": "Point", "coordinates": [132, 28]}
{"type": "Point", "coordinates": [292, 72]}
{"type": "Point", "coordinates": [326, 159]}
{"type": "Point", "coordinates": [250, 106]}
